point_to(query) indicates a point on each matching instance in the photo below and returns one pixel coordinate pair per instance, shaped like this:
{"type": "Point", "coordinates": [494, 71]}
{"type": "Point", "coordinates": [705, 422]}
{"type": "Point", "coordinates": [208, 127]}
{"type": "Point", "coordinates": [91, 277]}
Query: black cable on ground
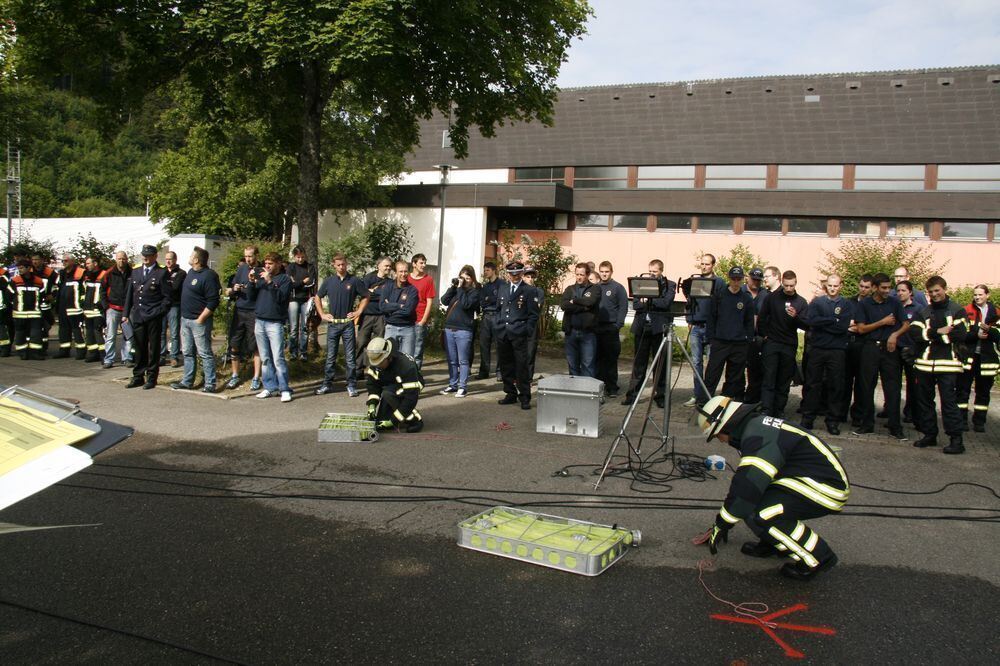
{"type": "Point", "coordinates": [121, 632]}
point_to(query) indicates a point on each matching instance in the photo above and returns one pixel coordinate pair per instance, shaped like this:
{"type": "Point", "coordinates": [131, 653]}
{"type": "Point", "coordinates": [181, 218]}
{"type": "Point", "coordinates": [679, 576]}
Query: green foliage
{"type": "Point", "coordinates": [548, 258]}
{"type": "Point", "coordinates": [234, 255]}
{"type": "Point", "coordinates": [27, 245]}
{"type": "Point", "coordinates": [73, 163]}
{"type": "Point", "coordinates": [857, 256]}
{"type": "Point", "coordinates": [363, 246]}
{"type": "Point", "coordinates": [963, 294]}
{"type": "Point", "coordinates": [88, 246]}
{"type": "Point", "coordinates": [739, 256]}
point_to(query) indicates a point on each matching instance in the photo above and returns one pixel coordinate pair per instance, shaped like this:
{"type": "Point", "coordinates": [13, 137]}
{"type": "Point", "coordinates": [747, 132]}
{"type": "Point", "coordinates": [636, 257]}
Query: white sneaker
{"type": "Point", "coordinates": [691, 402]}
{"type": "Point", "coordinates": [286, 396]}
{"type": "Point", "coordinates": [448, 389]}
{"type": "Point", "coordinates": [460, 393]}
{"type": "Point", "coordinates": [264, 394]}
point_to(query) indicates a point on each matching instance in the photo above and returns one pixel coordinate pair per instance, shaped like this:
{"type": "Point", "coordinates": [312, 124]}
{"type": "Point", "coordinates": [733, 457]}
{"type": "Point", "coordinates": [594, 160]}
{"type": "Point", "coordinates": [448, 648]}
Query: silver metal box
{"type": "Point", "coordinates": [570, 405]}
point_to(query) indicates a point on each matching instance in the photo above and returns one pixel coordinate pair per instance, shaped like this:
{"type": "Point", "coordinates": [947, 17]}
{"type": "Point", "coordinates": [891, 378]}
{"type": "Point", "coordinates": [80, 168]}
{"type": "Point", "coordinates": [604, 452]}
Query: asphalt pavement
{"type": "Point", "coordinates": [225, 532]}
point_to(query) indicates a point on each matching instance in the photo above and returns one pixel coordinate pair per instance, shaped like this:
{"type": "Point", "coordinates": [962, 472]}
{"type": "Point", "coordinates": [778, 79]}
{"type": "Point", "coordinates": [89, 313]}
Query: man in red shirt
{"type": "Point", "coordinates": [424, 284]}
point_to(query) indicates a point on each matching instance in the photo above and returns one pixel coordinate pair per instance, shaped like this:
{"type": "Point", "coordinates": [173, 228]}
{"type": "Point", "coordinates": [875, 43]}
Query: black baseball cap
{"type": "Point", "coordinates": [756, 274]}
{"type": "Point", "coordinates": [736, 273]}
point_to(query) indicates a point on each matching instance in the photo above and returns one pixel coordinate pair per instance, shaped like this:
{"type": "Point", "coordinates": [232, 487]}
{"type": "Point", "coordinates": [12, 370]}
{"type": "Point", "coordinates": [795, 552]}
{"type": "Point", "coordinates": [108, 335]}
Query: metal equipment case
{"type": "Point", "coordinates": [570, 405]}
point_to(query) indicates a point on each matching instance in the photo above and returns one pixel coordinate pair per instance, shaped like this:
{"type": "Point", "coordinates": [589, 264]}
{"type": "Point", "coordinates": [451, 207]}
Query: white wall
{"type": "Point", "coordinates": [464, 234]}
{"type": "Point", "coordinates": [184, 245]}
{"type": "Point", "coordinates": [127, 233]}
{"type": "Point", "coordinates": [455, 177]}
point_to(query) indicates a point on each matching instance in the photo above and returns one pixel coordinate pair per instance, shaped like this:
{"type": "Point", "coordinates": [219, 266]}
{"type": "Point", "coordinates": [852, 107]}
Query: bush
{"type": "Point", "coordinates": [739, 256]}
{"type": "Point", "coordinates": [28, 246]}
{"type": "Point", "coordinates": [88, 246]}
{"type": "Point", "coordinates": [363, 246]}
{"type": "Point", "coordinates": [858, 256]}
{"type": "Point", "coordinates": [963, 295]}
{"type": "Point", "coordinates": [551, 262]}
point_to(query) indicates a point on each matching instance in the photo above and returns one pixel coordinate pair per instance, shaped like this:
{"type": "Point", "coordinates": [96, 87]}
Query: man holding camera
{"type": "Point", "coordinates": [242, 339]}
{"type": "Point", "coordinates": [652, 316]}
{"type": "Point", "coordinates": [779, 323]}
{"type": "Point", "coordinates": [580, 303]}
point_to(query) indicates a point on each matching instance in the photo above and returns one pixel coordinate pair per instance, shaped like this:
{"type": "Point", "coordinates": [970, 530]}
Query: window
{"type": "Point", "coordinates": [540, 175]}
{"type": "Point", "coordinates": [628, 222]}
{"type": "Point", "coordinates": [908, 229]}
{"type": "Point", "coordinates": [586, 221]}
{"type": "Point", "coordinates": [736, 177]}
{"type": "Point", "coordinates": [674, 222]}
{"type": "Point", "coordinates": [871, 228]}
{"type": "Point", "coordinates": [972, 230]}
{"type": "Point", "coordinates": [715, 223]}
{"type": "Point", "coordinates": [889, 177]}
{"type": "Point", "coordinates": [525, 219]}
{"type": "Point", "coordinates": [810, 176]}
{"type": "Point", "coordinates": [606, 177]}
{"type": "Point", "coordinates": [770, 225]}
{"type": "Point", "coordinates": [666, 177]}
{"type": "Point", "coordinates": [969, 177]}
{"type": "Point", "coordinates": [807, 225]}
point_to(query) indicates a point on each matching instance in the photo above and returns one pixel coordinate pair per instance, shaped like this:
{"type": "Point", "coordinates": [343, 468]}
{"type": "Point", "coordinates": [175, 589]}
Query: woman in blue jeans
{"type": "Point", "coordinates": [462, 301]}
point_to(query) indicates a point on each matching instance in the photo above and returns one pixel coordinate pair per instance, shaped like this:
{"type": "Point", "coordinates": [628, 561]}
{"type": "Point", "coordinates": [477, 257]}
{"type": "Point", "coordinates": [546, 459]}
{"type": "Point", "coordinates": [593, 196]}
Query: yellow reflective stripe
{"type": "Point", "coordinates": [981, 408]}
{"type": "Point", "coordinates": [823, 449]}
{"type": "Point", "coordinates": [398, 415]}
{"type": "Point", "coordinates": [373, 396]}
{"type": "Point", "coordinates": [807, 492]}
{"type": "Point", "coordinates": [728, 517]}
{"type": "Point", "coordinates": [412, 385]}
{"type": "Point", "coordinates": [947, 322]}
{"type": "Point", "coordinates": [760, 464]}
{"type": "Point", "coordinates": [963, 405]}
{"type": "Point", "coordinates": [827, 490]}
{"type": "Point", "coordinates": [780, 546]}
{"type": "Point", "coordinates": [794, 547]}
{"type": "Point", "coordinates": [772, 511]}
{"type": "Point", "coordinates": [812, 541]}
{"type": "Point", "coordinates": [371, 373]}
{"type": "Point", "coordinates": [416, 415]}
{"type": "Point", "coordinates": [800, 529]}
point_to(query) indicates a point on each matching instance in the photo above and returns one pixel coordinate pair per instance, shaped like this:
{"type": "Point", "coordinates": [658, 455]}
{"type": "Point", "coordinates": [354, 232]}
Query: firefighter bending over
{"type": "Point", "coordinates": [394, 384]}
{"type": "Point", "coordinates": [785, 475]}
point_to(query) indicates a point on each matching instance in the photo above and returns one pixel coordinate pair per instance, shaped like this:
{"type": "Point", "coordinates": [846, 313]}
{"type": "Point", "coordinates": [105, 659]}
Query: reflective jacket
{"type": "Point", "coordinates": [50, 286]}
{"type": "Point", "coordinates": [774, 452]}
{"type": "Point", "coordinates": [70, 297]}
{"type": "Point", "coordinates": [26, 296]}
{"type": "Point", "coordinates": [937, 353]}
{"type": "Point", "coordinates": [984, 348]}
{"type": "Point", "coordinates": [401, 377]}
{"type": "Point", "coordinates": [94, 283]}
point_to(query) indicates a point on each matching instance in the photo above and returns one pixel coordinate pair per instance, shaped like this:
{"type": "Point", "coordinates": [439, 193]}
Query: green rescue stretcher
{"type": "Point", "coordinates": [566, 544]}
{"type": "Point", "coordinates": [347, 428]}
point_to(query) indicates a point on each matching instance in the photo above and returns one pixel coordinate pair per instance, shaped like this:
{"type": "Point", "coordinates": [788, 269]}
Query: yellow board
{"type": "Point", "coordinates": [27, 434]}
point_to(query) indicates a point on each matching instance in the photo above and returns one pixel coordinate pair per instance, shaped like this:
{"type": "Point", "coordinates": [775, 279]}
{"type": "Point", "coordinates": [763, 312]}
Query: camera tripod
{"type": "Point", "coordinates": [659, 365]}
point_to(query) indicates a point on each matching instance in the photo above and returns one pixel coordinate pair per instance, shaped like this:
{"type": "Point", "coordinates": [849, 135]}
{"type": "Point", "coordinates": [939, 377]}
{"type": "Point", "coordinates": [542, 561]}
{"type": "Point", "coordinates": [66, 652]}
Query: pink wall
{"type": "Point", "coordinates": [965, 262]}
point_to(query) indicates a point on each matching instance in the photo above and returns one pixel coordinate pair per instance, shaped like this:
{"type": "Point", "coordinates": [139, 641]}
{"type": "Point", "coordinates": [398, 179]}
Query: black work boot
{"type": "Point", "coordinates": [955, 446]}
{"type": "Point", "coordinates": [803, 572]}
{"type": "Point", "coordinates": [925, 441]}
{"type": "Point", "coordinates": [758, 549]}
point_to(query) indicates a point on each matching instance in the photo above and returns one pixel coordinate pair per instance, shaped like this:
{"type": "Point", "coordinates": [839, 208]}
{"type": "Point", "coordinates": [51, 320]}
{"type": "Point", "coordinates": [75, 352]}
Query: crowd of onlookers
{"type": "Point", "coordinates": [746, 323]}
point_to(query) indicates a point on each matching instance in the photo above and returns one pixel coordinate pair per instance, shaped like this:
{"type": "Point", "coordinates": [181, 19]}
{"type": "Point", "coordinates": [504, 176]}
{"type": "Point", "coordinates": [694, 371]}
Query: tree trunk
{"type": "Point", "coordinates": [309, 156]}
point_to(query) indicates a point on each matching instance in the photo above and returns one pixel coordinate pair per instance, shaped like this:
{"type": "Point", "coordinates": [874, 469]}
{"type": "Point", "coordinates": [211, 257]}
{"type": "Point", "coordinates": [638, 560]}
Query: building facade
{"type": "Point", "coordinates": [789, 166]}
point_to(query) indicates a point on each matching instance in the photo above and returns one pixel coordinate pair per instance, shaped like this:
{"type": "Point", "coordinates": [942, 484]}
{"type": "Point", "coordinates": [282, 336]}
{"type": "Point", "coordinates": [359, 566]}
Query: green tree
{"type": "Point", "coordinates": [369, 69]}
{"type": "Point", "coordinates": [547, 257]}
{"type": "Point", "coordinates": [857, 256]}
{"type": "Point", "coordinates": [88, 246]}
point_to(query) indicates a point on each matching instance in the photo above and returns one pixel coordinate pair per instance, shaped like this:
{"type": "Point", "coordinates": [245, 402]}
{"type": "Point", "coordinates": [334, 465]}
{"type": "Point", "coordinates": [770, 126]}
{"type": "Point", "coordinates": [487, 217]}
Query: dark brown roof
{"type": "Point", "coordinates": [903, 117]}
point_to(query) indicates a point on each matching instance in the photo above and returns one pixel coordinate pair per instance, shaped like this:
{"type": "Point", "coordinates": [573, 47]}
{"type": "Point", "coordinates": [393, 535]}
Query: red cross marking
{"type": "Point", "coordinates": [760, 622]}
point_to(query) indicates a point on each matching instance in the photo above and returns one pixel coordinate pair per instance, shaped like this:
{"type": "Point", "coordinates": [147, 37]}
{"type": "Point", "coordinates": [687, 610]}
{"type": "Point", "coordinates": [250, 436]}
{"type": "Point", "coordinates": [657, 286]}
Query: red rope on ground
{"type": "Point", "coordinates": [750, 609]}
{"type": "Point", "coordinates": [503, 425]}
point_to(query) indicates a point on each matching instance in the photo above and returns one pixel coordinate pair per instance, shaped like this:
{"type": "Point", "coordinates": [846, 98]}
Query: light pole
{"type": "Point", "coordinates": [445, 170]}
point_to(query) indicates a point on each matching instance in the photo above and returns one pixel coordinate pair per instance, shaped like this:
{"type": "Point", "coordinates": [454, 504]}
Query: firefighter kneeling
{"type": "Point", "coordinates": [786, 475]}
{"type": "Point", "coordinates": [394, 384]}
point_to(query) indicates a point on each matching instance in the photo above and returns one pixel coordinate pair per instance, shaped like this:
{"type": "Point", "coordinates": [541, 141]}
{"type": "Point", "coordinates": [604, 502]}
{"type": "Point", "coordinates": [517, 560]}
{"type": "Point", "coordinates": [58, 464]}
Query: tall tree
{"type": "Point", "coordinates": [372, 68]}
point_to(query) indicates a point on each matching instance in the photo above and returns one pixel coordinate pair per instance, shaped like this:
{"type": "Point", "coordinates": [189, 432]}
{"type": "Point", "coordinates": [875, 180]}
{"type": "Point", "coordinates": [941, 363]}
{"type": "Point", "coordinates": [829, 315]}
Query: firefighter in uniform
{"type": "Point", "coordinates": [518, 308]}
{"type": "Point", "coordinates": [937, 329]}
{"type": "Point", "coordinates": [394, 384]}
{"type": "Point", "coordinates": [6, 324]}
{"type": "Point", "coordinates": [25, 291]}
{"type": "Point", "coordinates": [68, 299]}
{"type": "Point", "coordinates": [729, 330]}
{"type": "Point", "coordinates": [146, 303]}
{"type": "Point", "coordinates": [755, 368]}
{"type": "Point", "coordinates": [982, 361]}
{"type": "Point", "coordinates": [829, 320]}
{"type": "Point", "coordinates": [93, 309]}
{"type": "Point", "coordinates": [785, 475]}
{"type": "Point", "coordinates": [50, 278]}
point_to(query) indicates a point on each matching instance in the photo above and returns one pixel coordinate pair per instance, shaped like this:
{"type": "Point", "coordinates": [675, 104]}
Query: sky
{"type": "Point", "coordinates": [647, 41]}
